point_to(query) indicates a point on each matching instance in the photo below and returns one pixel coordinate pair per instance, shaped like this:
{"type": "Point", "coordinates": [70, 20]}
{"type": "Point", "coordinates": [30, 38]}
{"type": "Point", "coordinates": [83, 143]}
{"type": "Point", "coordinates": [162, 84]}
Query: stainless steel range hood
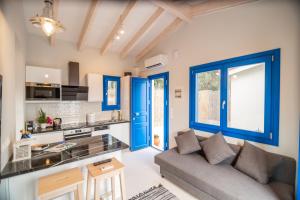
{"type": "Point", "coordinates": [73, 91]}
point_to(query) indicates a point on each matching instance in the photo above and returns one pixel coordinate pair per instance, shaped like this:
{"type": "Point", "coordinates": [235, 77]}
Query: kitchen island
{"type": "Point", "coordinates": [19, 179]}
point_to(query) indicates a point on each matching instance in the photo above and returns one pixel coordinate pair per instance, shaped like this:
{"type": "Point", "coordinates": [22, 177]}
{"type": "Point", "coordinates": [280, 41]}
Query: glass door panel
{"type": "Point", "coordinates": [157, 106]}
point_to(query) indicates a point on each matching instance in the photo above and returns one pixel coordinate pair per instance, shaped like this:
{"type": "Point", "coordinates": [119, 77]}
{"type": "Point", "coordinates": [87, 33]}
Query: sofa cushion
{"type": "Point", "coordinates": [187, 143]}
{"type": "Point", "coordinates": [256, 163]}
{"type": "Point", "coordinates": [185, 131]}
{"type": "Point", "coordinates": [283, 190]}
{"type": "Point", "coordinates": [220, 181]}
{"type": "Point", "coordinates": [229, 161]}
{"type": "Point", "coordinates": [216, 149]}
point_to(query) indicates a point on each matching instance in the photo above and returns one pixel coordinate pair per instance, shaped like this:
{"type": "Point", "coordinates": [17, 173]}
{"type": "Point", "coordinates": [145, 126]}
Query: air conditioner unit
{"type": "Point", "coordinates": [156, 61]}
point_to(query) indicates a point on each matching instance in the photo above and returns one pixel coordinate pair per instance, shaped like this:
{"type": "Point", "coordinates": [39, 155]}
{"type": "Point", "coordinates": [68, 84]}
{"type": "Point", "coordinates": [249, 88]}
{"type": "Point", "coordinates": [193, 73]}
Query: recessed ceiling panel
{"type": "Point", "coordinates": [162, 22]}
{"type": "Point", "coordinates": [134, 21]}
{"type": "Point", "coordinates": [72, 14]}
{"type": "Point", "coordinates": [106, 16]}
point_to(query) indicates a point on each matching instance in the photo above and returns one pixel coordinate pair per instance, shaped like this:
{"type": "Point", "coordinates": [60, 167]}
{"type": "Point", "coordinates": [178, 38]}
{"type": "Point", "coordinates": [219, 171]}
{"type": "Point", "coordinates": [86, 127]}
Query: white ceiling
{"type": "Point", "coordinates": [72, 14]}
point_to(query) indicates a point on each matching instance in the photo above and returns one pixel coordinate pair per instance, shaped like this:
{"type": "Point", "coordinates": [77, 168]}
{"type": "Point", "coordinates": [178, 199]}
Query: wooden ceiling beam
{"type": "Point", "coordinates": [215, 5]}
{"type": "Point", "coordinates": [178, 10]}
{"type": "Point", "coordinates": [55, 14]}
{"type": "Point", "coordinates": [141, 32]}
{"type": "Point", "coordinates": [87, 22]}
{"type": "Point", "coordinates": [170, 28]}
{"type": "Point", "coordinates": [117, 26]}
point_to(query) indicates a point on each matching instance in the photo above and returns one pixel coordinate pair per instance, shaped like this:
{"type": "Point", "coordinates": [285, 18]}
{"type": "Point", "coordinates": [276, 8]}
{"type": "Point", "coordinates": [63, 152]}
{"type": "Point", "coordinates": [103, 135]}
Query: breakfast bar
{"type": "Point", "coordinates": [86, 151]}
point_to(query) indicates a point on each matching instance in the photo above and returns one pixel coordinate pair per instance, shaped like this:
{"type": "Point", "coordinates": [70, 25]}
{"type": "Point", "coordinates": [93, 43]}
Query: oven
{"type": "Point", "coordinates": [77, 133]}
{"type": "Point", "coordinates": [42, 91]}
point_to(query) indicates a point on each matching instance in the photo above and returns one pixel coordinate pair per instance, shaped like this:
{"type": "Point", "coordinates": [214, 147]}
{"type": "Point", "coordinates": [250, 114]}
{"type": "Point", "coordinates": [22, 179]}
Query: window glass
{"type": "Point", "coordinates": [208, 97]}
{"type": "Point", "coordinates": [112, 93]}
{"type": "Point", "coordinates": [246, 97]}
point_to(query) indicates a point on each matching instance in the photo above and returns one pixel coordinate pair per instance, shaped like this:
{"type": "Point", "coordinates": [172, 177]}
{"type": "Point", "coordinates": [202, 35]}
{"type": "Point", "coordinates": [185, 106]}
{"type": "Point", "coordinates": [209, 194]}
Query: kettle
{"type": "Point", "coordinates": [57, 122]}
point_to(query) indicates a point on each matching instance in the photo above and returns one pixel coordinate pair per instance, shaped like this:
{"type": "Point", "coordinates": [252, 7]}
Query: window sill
{"type": "Point", "coordinates": [237, 134]}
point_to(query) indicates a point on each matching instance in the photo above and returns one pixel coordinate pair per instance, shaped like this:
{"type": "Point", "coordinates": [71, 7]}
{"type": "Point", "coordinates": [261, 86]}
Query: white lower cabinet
{"type": "Point", "coordinates": [120, 131]}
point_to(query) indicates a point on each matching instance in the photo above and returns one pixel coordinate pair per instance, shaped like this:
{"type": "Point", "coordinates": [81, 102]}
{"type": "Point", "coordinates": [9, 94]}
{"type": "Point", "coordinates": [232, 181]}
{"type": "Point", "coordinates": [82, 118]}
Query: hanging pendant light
{"type": "Point", "coordinates": [46, 21]}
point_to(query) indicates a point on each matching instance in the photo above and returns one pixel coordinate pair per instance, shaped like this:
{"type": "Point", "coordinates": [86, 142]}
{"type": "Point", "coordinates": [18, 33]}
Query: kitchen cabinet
{"type": "Point", "coordinates": [94, 84]}
{"type": "Point", "coordinates": [125, 97]}
{"type": "Point", "coordinates": [47, 138]}
{"type": "Point", "coordinates": [36, 74]}
{"type": "Point", "coordinates": [121, 131]}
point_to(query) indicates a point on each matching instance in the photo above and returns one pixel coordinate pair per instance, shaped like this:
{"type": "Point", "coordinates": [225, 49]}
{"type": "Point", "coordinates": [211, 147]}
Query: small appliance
{"type": "Point", "coordinates": [29, 126]}
{"type": "Point", "coordinates": [90, 118]}
{"type": "Point", "coordinates": [42, 91]}
{"type": "Point", "coordinates": [57, 123]}
{"type": "Point", "coordinates": [77, 133]}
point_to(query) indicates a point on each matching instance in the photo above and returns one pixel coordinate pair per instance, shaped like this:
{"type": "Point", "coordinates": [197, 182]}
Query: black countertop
{"type": "Point", "coordinates": [85, 148]}
{"type": "Point", "coordinates": [79, 125]}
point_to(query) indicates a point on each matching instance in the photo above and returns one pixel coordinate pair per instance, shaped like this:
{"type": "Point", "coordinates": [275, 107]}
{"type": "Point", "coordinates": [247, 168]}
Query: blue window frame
{"type": "Point", "coordinates": [111, 93]}
{"type": "Point", "coordinates": [238, 96]}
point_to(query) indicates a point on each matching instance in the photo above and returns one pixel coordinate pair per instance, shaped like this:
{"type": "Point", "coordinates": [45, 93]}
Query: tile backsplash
{"type": "Point", "coordinates": [70, 112]}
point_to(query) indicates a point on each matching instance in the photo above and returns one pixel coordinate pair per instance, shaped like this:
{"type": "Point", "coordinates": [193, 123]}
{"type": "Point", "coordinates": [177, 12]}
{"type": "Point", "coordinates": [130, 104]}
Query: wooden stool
{"type": "Point", "coordinates": [61, 183]}
{"type": "Point", "coordinates": [95, 172]}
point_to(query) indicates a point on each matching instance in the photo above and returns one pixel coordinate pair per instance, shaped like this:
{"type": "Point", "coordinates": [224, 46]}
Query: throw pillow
{"type": "Point", "coordinates": [187, 143]}
{"type": "Point", "coordinates": [216, 149]}
{"type": "Point", "coordinates": [256, 163]}
{"type": "Point", "coordinates": [185, 131]}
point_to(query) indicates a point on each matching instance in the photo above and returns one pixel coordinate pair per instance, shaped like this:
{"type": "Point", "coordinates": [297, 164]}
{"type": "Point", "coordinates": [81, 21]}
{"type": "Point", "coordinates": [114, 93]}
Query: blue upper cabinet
{"type": "Point", "coordinates": [111, 93]}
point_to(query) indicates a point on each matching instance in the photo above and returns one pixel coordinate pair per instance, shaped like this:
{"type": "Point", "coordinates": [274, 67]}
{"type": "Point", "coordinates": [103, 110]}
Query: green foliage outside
{"type": "Point", "coordinates": [159, 83]}
{"type": "Point", "coordinates": [208, 81]}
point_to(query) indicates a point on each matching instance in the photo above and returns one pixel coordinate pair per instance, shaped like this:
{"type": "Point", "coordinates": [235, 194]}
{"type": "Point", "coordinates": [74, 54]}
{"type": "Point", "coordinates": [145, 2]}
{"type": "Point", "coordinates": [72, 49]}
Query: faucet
{"type": "Point", "coordinates": [114, 117]}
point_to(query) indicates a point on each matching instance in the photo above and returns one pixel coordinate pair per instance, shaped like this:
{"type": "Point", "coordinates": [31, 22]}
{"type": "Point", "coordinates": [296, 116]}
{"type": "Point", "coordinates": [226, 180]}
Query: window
{"type": "Point", "coordinates": [238, 96]}
{"type": "Point", "coordinates": [111, 93]}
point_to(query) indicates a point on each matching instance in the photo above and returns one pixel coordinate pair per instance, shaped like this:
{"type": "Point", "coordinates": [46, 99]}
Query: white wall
{"type": "Point", "coordinates": [12, 67]}
{"type": "Point", "coordinates": [242, 30]}
{"type": "Point", "coordinates": [40, 53]}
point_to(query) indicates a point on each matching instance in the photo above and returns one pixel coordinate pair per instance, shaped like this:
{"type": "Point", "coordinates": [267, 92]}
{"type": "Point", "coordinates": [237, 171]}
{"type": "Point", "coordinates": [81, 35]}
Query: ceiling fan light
{"type": "Point", "coordinates": [48, 28]}
{"type": "Point", "coordinates": [117, 37]}
{"type": "Point", "coordinates": [48, 24]}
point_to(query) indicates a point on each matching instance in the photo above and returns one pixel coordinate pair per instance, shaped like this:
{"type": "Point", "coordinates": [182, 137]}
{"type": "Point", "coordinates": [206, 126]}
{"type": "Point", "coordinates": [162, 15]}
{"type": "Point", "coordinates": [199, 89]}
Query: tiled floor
{"type": "Point", "coordinates": [141, 173]}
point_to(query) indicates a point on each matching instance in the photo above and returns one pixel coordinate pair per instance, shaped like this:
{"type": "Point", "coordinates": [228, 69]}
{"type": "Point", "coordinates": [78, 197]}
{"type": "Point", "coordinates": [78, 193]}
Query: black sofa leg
{"type": "Point", "coordinates": [162, 176]}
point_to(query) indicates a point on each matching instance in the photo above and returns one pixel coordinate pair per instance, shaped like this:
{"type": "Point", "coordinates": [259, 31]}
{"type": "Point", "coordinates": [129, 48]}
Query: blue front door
{"type": "Point", "coordinates": [139, 114]}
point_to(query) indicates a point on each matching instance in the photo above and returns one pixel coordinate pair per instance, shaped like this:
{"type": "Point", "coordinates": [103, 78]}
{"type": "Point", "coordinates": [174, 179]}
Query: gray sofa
{"type": "Point", "coordinates": [223, 182]}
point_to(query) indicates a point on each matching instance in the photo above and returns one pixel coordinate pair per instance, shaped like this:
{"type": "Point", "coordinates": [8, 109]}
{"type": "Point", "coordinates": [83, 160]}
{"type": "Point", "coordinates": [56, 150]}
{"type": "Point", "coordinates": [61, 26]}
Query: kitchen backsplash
{"type": "Point", "coordinates": [70, 112]}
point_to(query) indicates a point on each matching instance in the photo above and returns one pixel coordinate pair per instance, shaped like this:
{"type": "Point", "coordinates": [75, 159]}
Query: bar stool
{"type": "Point", "coordinates": [61, 183]}
{"type": "Point", "coordinates": [95, 173]}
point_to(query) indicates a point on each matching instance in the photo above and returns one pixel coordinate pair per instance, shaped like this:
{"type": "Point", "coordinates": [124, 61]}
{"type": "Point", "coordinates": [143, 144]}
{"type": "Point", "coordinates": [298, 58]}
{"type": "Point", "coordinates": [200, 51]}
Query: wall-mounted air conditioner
{"type": "Point", "coordinates": [156, 61]}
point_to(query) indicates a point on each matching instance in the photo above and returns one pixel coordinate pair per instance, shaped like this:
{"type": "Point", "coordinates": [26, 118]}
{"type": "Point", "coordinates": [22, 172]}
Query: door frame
{"type": "Point", "coordinates": [165, 76]}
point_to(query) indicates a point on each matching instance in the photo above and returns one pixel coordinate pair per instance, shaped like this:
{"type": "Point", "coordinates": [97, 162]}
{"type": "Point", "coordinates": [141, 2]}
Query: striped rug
{"type": "Point", "coordinates": [155, 193]}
